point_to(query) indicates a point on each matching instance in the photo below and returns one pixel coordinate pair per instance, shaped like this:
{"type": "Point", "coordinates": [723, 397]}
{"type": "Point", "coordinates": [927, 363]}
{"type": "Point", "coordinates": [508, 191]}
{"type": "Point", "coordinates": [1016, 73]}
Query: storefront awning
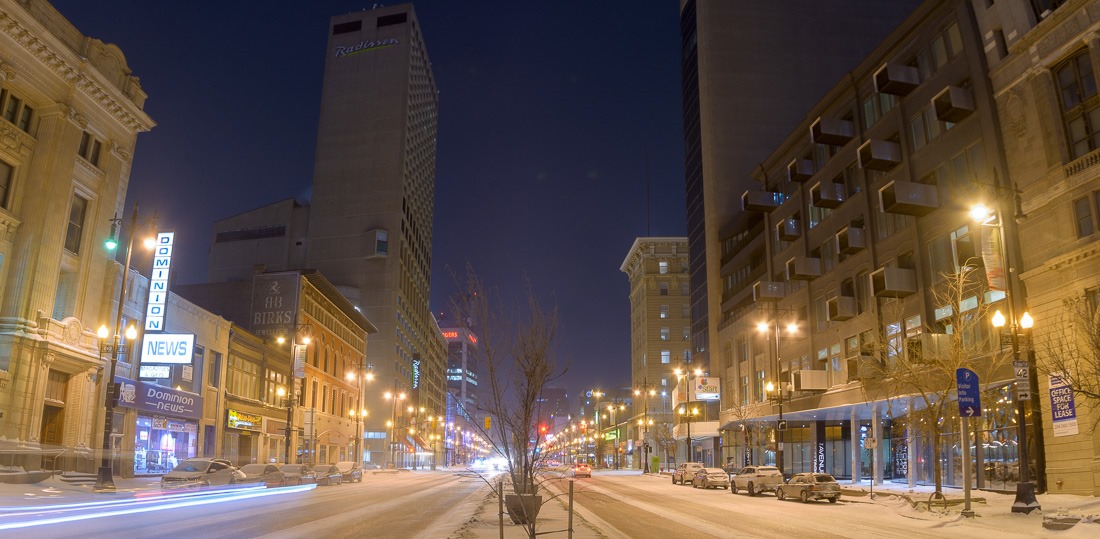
{"type": "Point", "coordinates": [407, 443]}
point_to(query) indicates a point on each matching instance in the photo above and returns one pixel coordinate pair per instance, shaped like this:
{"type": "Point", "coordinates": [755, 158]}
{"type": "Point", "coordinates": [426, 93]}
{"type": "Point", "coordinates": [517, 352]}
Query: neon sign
{"type": "Point", "coordinates": [158, 282]}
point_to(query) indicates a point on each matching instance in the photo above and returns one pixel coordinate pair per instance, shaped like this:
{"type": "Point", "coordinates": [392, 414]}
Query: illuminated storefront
{"type": "Point", "coordinates": [166, 428]}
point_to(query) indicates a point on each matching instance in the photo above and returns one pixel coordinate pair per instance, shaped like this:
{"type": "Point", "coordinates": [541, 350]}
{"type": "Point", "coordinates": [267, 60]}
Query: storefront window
{"type": "Point", "coordinates": [160, 443]}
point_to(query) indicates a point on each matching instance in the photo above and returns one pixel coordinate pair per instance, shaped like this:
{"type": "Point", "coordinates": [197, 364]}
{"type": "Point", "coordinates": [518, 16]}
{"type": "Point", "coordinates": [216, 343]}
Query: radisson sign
{"type": "Point", "coordinates": [364, 46]}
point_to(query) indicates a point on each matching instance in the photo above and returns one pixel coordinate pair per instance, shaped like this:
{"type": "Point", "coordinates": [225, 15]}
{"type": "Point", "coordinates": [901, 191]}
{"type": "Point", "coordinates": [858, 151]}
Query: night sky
{"type": "Point", "coordinates": [552, 116]}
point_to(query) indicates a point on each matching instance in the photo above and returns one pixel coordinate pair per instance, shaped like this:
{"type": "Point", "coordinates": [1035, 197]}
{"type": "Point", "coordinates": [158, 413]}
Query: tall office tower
{"type": "Point", "coordinates": [749, 70]}
{"type": "Point", "coordinates": [370, 225]}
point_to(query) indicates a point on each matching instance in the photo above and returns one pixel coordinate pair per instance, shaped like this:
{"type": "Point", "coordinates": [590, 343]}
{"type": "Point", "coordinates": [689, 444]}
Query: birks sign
{"type": "Point", "coordinates": [158, 282]}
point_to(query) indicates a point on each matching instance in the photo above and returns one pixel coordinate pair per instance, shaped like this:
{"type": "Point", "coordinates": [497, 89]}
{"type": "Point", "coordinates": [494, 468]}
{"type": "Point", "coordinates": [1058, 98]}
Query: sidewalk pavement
{"type": "Point", "coordinates": [56, 490]}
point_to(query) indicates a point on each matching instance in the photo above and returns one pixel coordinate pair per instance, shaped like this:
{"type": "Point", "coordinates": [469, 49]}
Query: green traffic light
{"type": "Point", "coordinates": [110, 244]}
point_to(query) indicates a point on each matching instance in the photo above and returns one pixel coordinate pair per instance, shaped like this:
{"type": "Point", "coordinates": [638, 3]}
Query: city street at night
{"type": "Point", "coordinates": [458, 504]}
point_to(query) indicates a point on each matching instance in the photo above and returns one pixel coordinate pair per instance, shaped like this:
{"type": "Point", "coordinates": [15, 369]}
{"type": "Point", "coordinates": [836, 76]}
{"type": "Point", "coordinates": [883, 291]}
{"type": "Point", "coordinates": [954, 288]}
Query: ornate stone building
{"type": "Point", "coordinates": [70, 112]}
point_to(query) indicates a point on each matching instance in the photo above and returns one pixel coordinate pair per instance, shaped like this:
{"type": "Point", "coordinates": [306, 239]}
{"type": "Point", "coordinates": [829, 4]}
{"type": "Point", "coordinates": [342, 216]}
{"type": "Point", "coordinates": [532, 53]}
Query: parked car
{"type": "Point", "coordinates": [809, 486]}
{"type": "Point", "coordinates": [371, 466]}
{"type": "Point", "coordinates": [685, 471]}
{"type": "Point", "coordinates": [352, 471]}
{"type": "Point", "coordinates": [710, 477]}
{"type": "Point", "coordinates": [292, 474]}
{"type": "Point", "coordinates": [581, 469]}
{"type": "Point", "coordinates": [328, 474]}
{"type": "Point", "coordinates": [756, 479]}
{"type": "Point", "coordinates": [200, 472]}
{"type": "Point", "coordinates": [258, 473]}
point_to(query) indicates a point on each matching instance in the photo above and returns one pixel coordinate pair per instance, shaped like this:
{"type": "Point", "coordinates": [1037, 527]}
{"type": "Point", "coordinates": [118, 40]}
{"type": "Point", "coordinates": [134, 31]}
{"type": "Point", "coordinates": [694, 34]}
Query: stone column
{"type": "Point", "coordinates": [857, 462]}
{"type": "Point", "coordinates": [876, 431]}
{"type": "Point", "coordinates": [911, 443]}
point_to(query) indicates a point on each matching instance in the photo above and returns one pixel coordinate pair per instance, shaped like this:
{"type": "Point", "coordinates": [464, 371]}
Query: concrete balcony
{"type": "Point", "coordinates": [893, 282]}
{"type": "Point", "coordinates": [896, 79]}
{"type": "Point", "coordinates": [953, 104]}
{"type": "Point", "coordinates": [831, 131]}
{"type": "Point", "coordinates": [909, 198]}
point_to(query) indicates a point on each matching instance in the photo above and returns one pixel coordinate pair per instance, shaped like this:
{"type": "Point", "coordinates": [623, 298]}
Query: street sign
{"type": "Point", "coordinates": [1023, 380]}
{"type": "Point", "coordinates": [783, 425]}
{"type": "Point", "coordinates": [970, 400]}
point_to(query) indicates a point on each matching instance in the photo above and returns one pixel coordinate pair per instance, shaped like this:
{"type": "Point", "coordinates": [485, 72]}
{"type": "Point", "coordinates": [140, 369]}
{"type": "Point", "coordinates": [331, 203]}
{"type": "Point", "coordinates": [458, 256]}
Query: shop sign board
{"type": "Point", "coordinates": [175, 348]}
{"type": "Point", "coordinates": [156, 399]}
{"type": "Point", "coordinates": [706, 388]}
{"type": "Point", "coordinates": [158, 283]}
{"type": "Point", "coordinates": [1062, 408]}
{"type": "Point", "coordinates": [244, 420]}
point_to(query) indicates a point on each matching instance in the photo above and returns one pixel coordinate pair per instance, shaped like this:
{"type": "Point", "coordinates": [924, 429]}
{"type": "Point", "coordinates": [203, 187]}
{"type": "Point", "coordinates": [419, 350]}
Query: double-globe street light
{"type": "Point", "coordinates": [104, 478]}
{"type": "Point", "coordinates": [646, 392]}
{"type": "Point", "coordinates": [1006, 279]}
{"type": "Point", "coordinates": [358, 413]}
{"type": "Point", "coordinates": [289, 396]}
{"type": "Point", "coordinates": [392, 423]}
{"type": "Point", "coordinates": [779, 387]}
{"type": "Point", "coordinates": [688, 411]}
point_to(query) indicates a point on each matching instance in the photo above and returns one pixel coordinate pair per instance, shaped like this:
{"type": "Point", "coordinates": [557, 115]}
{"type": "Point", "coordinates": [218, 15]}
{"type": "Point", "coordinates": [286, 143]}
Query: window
{"type": "Point", "coordinates": [684, 289]}
{"type": "Point", "coordinates": [664, 311]}
{"type": "Point", "coordinates": [685, 310]}
{"type": "Point", "coordinates": [745, 390]}
{"type": "Point", "coordinates": [687, 356]}
{"type": "Point", "coordinates": [939, 258]}
{"type": "Point", "coordinates": [89, 148]}
{"type": "Point", "coordinates": [242, 378]}
{"type": "Point", "coordinates": [76, 224]}
{"type": "Point", "coordinates": [215, 368]}
{"type": "Point", "coordinates": [999, 43]}
{"type": "Point", "coordinates": [875, 106]}
{"type": "Point", "coordinates": [16, 111]}
{"type": "Point", "coordinates": [1080, 106]}
{"type": "Point", "coordinates": [662, 267]}
{"type": "Point", "coordinates": [1082, 213]}
{"type": "Point", "coordinates": [759, 386]}
{"type": "Point", "coordinates": [664, 334]}
{"type": "Point", "coordinates": [687, 333]}
{"type": "Point", "coordinates": [663, 288]}
{"type": "Point", "coordinates": [274, 381]}
{"type": "Point", "coordinates": [666, 356]}
{"type": "Point", "coordinates": [6, 172]}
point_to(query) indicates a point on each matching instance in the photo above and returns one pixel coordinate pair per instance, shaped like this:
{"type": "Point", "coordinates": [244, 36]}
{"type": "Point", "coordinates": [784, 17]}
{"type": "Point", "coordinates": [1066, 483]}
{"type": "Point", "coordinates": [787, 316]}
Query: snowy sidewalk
{"type": "Point", "coordinates": [553, 519]}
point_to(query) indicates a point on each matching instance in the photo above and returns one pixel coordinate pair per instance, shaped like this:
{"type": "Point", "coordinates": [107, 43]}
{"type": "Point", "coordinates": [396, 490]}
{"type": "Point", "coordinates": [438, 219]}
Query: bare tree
{"type": "Point", "coordinates": [517, 353]}
{"type": "Point", "coordinates": [914, 368]}
{"type": "Point", "coordinates": [1072, 346]}
{"type": "Point", "coordinates": [662, 437]}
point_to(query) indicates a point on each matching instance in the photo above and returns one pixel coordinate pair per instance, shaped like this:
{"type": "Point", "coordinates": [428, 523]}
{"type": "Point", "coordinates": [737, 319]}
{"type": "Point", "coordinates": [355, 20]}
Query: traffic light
{"type": "Point", "coordinates": [542, 429]}
{"type": "Point", "coordinates": [112, 240]}
{"type": "Point", "coordinates": [488, 422]}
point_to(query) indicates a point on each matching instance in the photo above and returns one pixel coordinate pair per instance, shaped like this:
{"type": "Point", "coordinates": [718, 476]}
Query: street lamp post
{"type": "Point", "coordinates": [395, 396]}
{"type": "Point", "coordinates": [104, 479]}
{"type": "Point", "coordinates": [596, 441]}
{"type": "Point", "coordinates": [612, 421]}
{"type": "Point", "coordinates": [292, 381]}
{"type": "Point", "coordinates": [780, 425]}
{"type": "Point", "coordinates": [687, 416]}
{"type": "Point", "coordinates": [288, 402]}
{"type": "Point", "coordinates": [359, 412]}
{"type": "Point", "coordinates": [1025, 501]}
{"type": "Point", "coordinates": [645, 393]}
{"type": "Point", "coordinates": [688, 377]}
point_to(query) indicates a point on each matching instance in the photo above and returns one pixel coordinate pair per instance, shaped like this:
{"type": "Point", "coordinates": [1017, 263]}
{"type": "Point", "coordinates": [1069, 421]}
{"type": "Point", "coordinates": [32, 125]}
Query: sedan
{"type": "Point", "coordinates": [710, 477]}
{"type": "Point", "coordinates": [328, 474]}
{"type": "Point", "coordinates": [352, 471]}
{"type": "Point", "coordinates": [201, 473]}
{"type": "Point", "coordinates": [582, 470]}
{"type": "Point", "coordinates": [258, 473]}
{"type": "Point", "coordinates": [809, 486]}
{"type": "Point", "coordinates": [292, 474]}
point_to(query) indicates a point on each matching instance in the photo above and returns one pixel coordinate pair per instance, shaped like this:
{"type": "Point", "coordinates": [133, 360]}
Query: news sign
{"type": "Point", "coordinates": [167, 348]}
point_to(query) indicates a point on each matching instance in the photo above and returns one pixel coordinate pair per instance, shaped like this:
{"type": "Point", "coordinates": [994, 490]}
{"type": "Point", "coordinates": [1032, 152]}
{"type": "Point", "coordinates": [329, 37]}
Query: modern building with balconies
{"type": "Point", "coordinates": [855, 224]}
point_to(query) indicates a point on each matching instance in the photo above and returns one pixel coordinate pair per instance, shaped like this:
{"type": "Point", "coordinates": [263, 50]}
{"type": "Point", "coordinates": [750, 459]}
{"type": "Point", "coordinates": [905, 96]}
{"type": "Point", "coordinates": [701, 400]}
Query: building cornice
{"type": "Point", "coordinates": [122, 110]}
